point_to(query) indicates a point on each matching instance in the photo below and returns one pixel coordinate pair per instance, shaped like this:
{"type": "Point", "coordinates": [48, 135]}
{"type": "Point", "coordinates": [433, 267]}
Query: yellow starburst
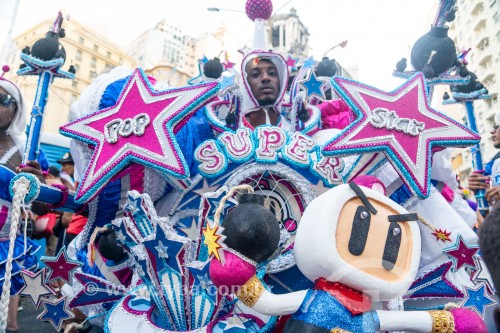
{"type": "Point", "coordinates": [214, 241]}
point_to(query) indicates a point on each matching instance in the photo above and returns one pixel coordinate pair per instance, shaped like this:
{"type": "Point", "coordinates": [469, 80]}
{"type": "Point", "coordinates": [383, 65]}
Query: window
{"type": "Point", "coordinates": [73, 98]}
{"type": "Point", "coordinates": [81, 40]}
{"type": "Point", "coordinates": [74, 84]}
{"type": "Point", "coordinates": [96, 48]}
{"type": "Point", "coordinates": [77, 67]}
{"type": "Point", "coordinates": [108, 55]}
{"type": "Point", "coordinates": [78, 55]}
{"type": "Point", "coordinates": [93, 62]}
{"type": "Point", "coordinates": [92, 74]}
{"type": "Point", "coordinates": [120, 61]}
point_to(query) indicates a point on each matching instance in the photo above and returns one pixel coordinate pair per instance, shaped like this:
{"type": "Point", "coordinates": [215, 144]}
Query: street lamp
{"type": "Point", "coordinates": [215, 9]}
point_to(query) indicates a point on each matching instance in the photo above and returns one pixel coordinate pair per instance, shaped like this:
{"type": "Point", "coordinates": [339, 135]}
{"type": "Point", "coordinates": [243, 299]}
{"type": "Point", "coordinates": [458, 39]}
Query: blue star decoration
{"type": "Point", "coordinates": [309, 63]}
{"type": "Point", "coordinates": [35, 66]}
{"type": "Point", "coordinates": [312, 86]}
{"type": "Point", "coordinates": [213, 199]}
{"type": "Point", "coordinates": [227, 83]}
{"type": "Point", "coordinates": [200, 272]}
{"type": "Point", "coordinates": [477, 299]}
{"type": "Point", "coordinates": [139, 129]}
{"type": "Point", "coordinates": [164, 249]}
{"type": "Point", "coordinates": [55, 312]}
{"type": "Point", "coordinates": [35, 286]}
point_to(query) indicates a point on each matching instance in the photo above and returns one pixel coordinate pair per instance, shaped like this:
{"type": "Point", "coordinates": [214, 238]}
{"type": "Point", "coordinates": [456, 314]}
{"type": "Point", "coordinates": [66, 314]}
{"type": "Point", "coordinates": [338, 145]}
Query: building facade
{"type": "Point", "coordinates": [167, 51]}
{"type": "Point", "coordinates": [90, 53]}
{"type": "Point", "coordinates": [288, 35]}
{"type": "Point", "coordinates": [477, 26]}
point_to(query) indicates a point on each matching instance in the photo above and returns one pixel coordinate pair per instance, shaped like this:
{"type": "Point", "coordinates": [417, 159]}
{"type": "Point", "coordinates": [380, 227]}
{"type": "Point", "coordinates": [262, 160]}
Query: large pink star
{"type": "Point", "coordinates": [401, 124]}
{"type": "Point", "coordinates": [462, 254]}
{"type": "Point", "coordinates": [140, 129]}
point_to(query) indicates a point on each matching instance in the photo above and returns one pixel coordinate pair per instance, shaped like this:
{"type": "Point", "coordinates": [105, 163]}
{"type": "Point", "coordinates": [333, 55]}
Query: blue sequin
{"type": "Point", "coordinates": [322, 309]}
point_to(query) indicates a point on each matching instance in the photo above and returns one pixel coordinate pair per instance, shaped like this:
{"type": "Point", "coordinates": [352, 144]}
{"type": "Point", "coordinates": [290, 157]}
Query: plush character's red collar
{"type": "Point", "coordinates": [355, 301]}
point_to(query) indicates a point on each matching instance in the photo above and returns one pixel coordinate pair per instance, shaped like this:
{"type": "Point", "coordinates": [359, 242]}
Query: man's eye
{"type": "Point", "coordinates": [273, 73]}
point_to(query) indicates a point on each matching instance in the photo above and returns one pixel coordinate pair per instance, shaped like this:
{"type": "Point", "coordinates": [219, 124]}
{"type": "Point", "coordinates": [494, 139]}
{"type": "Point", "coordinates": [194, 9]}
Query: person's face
{"type": "Point", "coordinates": [8, 108]}
{"type": "Point", "coordinates": [495, 136]}
{"type": "Point", "coordinates": [69, 168]}
{"type": "Point", "coordinates": [263, 79]}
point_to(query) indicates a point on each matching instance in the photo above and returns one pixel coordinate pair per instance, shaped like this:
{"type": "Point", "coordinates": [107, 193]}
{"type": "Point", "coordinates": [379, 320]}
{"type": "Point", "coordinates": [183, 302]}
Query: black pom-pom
{"type": "Point", "coordinates": [231, 119]}
{"type": "Point", "coordinates": [446, 96]}
{"type": "Point", "coordinates": [213, 68]}
{"type": "Point", "coordinates": [48, 48]}
{"type": "Point", "coordinates": [251, 229]}
{"type": "Point", "coordinates": [109, 248]}
{"type": "Point", "coordinates": [436, 49]}
{"type": "Point", "coordinates": [26, 50]}
{"type": "Point", "coordinates": [401, 65]}
{"type": "Point", "coordinates": [72, 69]}
{"type": "Point", "coordinates": [326, 67]}
{"type": "Point", "coordinates": [62, 33]}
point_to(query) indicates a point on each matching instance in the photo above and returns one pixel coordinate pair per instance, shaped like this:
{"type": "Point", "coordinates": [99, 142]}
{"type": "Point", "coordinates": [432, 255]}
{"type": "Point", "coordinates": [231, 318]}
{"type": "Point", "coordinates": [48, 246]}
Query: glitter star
{"type": "Point", "coordinates": [462, 254]}
{"type": "Point", "coordinates": [206, 188]}
{"type": "Point", "coordinates": [477, 299]}
{"type": "Point", "coordinates": [35, 286]}
{"type": "Point", "coordinates": [309, 63]}
{"type": "Point", "coordinates": [442, 235]}
{"type": "Point", "coordinates": [191, 231]}
{"type": "Point", "coordinates": [60, 267]}
{"type": "Point", "coordinates": [312, 86]}
{"type": "Point", "coordinates": [401, 124]}
{"type": "Point", "coordinates": [214, 241]}
{"type": "Point", "coordinates": [55, 312]}
{"type": "Point", "coordinates": [162, 250]}
{"type": "Point", "coordinates": [139, 129]}
{"type": "Point", "coordinates": [200, 272]}
{"type": "Point", "coordinates": [482, 275]}
{"type": "Point", "coordinates": [291, 62]}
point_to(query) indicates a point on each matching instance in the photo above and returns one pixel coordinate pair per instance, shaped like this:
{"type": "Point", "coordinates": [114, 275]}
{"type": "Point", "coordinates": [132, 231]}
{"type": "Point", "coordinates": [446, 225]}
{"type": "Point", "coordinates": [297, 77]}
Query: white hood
{"type": "Point", "coordinates": [249, 103]}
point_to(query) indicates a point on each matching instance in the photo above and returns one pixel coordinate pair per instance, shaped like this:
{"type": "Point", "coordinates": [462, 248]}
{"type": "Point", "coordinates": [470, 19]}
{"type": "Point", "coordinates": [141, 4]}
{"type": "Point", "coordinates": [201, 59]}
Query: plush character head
{"type": "Point", "coordinates": [360, 238]}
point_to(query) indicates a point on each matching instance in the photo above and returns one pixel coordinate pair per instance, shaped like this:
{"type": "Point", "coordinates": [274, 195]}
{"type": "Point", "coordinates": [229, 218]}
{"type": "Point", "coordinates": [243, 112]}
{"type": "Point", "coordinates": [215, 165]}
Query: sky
{"type": "Point", "coordinates": [379, 32]}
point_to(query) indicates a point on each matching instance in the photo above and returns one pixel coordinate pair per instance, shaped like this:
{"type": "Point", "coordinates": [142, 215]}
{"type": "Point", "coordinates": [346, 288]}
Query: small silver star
{"type": "Point", "coordinates": [162, 250]}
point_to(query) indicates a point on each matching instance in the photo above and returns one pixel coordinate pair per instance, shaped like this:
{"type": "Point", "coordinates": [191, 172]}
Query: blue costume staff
{"type": "Point", "coordinates": [467, 94]}
{"type": "Point", "coordinates": [45, 60]}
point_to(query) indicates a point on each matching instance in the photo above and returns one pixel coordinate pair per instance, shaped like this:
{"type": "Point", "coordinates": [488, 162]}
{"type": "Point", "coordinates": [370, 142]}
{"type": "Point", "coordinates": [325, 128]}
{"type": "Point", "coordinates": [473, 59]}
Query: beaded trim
{"type": "Point", "coordinates": [251, 291]}
{"type": "Point", "coordinates": [64, 196]}
{"type": "Point", "coordinates": [442, 321]}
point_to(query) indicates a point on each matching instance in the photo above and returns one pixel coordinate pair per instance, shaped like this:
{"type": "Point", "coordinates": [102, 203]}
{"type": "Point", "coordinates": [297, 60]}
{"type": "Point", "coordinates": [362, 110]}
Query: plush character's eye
{"type": "Point", "coordinates": [360, 228]}
{"type": "Point", "coordinates": [391, 249]}
{"type": "Point", "coordinates": [393, 241]}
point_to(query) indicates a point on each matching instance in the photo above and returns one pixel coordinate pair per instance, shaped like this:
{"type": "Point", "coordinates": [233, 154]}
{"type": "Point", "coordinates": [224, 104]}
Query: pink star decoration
{"type": "Point", "coordinates": [139, 129]}
{"type": "Point", "coordinates": [60, 267]}
{"type": "Point", "coordinates": [462, 254]}
{"type": "Point", "coordinates": [401, 124]}
{"type": "Point", "coordinates": [291, 62]}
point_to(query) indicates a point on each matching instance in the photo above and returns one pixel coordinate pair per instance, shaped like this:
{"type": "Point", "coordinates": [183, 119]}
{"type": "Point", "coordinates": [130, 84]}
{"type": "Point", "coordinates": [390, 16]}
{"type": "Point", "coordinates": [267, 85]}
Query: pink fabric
{"type": "Point", "coordinates": [448, 193]}
{"type": "Point", "coordinates": [370, 182]}
{"type": "Point", "coordinates": [335, 114]}
{"type": "Point", "coordinates": [234, 273]}
{"type": "Point", "coordinates": [468, 321]}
